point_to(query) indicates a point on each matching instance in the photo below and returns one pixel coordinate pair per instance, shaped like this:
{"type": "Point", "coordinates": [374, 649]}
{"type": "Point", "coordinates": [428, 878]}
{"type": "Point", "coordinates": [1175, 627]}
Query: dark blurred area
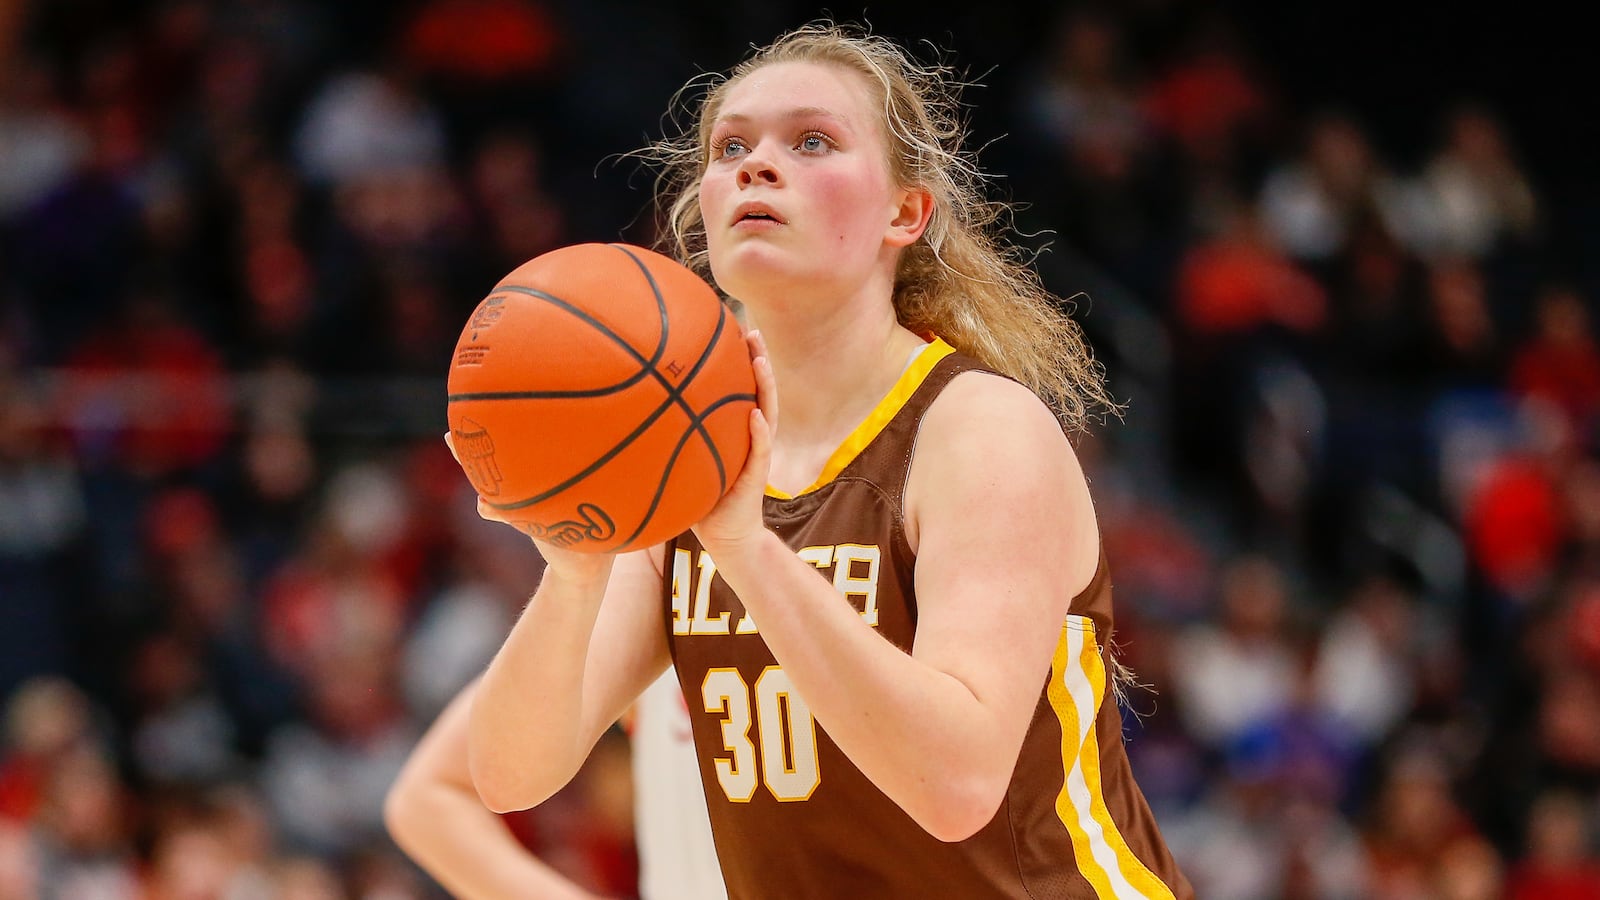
{"type": "Point", "coordinates": [1339, 261]}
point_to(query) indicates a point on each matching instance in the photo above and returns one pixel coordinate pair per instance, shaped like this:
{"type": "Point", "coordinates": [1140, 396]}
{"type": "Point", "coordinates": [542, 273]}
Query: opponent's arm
{"type": "Point", "coordinates": [1006, 537]}
{"type": "Point", "coordinates": [435, 816]}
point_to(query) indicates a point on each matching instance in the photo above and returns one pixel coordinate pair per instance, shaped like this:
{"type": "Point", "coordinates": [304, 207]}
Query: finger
{"type": "Point", "coordinates": [766, 382]}
{"type": "Point", "coordinates": [485, 511]}
{"type": "Point", "coordinates": [760, 459]}
{"type": "Point", "coordinates": [752, 478]}
{"type": "Point", "coordinates": [766, 392]}
{"type": "Point", "coordinates": [450, 441]}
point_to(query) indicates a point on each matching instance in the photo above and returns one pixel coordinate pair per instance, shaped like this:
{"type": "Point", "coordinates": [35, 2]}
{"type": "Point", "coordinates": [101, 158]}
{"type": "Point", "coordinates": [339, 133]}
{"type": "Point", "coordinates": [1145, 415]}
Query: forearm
{"type": "Point", "coordinates": [527, 729]}
{"type": "Point", "coordinates": [920, 734]}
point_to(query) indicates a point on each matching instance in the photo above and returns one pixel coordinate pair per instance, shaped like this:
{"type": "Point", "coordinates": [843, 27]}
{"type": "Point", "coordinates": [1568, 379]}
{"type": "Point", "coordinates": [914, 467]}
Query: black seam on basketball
{"type": "Point", "coordinates": [697, 423]}
{"type": "Point", "coordinates": [647, 367]}
{"type": "Point", "coordinates": [661, 303]}
{"type": "Point", "coordinates": [592, 467]}
{"type": "Point", "coordinates": [716, 454]}
{"type": "Point", "coordinates": [675, 391]}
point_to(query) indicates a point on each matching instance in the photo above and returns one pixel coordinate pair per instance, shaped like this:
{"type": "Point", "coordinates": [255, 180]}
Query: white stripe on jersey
{"type": "Point", "coordinates": [677, 859]}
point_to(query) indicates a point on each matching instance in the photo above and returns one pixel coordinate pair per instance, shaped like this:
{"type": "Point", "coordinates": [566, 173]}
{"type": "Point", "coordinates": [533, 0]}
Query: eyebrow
{"type": "Point", "coordinates": [799, 112]}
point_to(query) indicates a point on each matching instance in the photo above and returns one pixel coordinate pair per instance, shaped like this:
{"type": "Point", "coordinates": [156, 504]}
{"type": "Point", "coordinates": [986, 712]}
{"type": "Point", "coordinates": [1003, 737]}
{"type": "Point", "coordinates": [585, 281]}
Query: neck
{"type": "Point", "coordinates": [831, 368]}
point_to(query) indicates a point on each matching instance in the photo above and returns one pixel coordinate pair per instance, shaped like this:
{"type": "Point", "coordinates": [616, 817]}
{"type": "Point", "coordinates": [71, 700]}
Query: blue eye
{"type": "Point", "coordinates": [729, 147]}
{"type": "Point", "coordinates": [813, 143]}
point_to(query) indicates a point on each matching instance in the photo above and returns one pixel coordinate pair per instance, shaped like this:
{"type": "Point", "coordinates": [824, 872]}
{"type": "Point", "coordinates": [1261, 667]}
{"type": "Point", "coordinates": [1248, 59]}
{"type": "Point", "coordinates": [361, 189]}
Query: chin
{"type": "Point", "coordinates": [750, 272]}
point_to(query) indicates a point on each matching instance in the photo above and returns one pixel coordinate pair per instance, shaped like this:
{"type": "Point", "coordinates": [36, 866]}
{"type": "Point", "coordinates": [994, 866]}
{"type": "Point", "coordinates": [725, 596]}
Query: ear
{"type": "Point", "coordinates": [911, 216]}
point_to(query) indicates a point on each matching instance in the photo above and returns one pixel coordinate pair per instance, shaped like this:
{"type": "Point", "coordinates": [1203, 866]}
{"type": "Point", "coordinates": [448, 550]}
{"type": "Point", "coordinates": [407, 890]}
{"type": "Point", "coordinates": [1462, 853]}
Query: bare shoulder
{"type": "Point", "coordinates": [990, 451]}
{"type": "Point", "coordinates": [990, 434]}
{"type": "Point", "coordinates": [974, 401]}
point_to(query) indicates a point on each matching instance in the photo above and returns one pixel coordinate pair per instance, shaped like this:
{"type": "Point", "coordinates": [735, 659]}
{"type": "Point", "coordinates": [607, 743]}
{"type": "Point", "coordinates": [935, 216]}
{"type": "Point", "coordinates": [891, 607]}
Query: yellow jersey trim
{"type": "Point", "coordinates": [1077, 688]}
{"type": "Point", "coordinates": [874, 423]}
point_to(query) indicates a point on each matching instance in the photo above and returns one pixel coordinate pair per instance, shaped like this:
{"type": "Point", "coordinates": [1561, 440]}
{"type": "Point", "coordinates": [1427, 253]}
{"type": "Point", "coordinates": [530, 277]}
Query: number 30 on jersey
{"type": "Point", "coordinates": [784, 735]}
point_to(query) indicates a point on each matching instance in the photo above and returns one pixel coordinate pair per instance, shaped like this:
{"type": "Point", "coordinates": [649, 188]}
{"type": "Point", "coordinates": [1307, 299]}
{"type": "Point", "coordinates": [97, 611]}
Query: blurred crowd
{"type": "Point", "coordinates": [1352, 506]}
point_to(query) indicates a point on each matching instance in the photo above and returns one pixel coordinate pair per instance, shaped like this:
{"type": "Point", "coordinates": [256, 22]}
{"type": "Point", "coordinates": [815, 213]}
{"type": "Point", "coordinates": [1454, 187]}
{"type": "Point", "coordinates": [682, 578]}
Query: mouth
{"type": "Point", "coordinates": [756, 213]}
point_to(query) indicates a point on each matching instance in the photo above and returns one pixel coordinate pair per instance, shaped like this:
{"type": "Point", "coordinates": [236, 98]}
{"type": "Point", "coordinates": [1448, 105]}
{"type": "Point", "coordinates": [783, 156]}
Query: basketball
{"type": "Point", "coordinates": [599, 398]}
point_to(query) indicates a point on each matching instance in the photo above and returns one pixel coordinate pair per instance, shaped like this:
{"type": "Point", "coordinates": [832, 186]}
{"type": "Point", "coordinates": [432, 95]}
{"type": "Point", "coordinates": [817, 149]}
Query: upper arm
{"type": "Point", "coordinates": [1005, 536]}
{"type": "Point", "coordinates": [628, 649]}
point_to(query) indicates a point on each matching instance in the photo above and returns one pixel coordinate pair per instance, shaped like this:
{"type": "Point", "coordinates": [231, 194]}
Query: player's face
{"type": "Point", "coordinates": [797, 195]}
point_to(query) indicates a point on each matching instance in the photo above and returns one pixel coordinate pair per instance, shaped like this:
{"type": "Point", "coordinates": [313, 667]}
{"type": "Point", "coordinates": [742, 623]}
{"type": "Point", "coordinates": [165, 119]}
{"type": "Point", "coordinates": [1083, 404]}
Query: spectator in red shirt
{"type": "Point", "coordinates": [1560, 361]}
{"type": "Point", "coordinates": [1558, 864]}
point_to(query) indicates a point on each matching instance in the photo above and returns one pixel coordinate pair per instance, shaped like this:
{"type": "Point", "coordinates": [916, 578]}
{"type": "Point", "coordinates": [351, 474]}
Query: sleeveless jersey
{"type": "Point", "coordinates": [677, 860]}
{"type": "Point", "coordinates": [794, 818]}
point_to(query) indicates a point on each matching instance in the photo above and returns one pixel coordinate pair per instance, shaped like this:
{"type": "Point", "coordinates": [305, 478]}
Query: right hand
{"type": "Point", "coordinates": [737, 518]}
{"type": "Point", "coordinates": [570, 566]}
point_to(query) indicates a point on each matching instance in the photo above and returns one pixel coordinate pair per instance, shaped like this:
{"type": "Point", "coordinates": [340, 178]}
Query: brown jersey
{"type": "Point", "coordinates": [794, 818]}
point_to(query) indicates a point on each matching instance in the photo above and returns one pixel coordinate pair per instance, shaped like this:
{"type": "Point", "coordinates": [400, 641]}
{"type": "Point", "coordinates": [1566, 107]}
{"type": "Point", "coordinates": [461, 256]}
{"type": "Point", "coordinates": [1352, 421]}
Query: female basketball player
{"type": "Point", "coordinates": [893, 629]}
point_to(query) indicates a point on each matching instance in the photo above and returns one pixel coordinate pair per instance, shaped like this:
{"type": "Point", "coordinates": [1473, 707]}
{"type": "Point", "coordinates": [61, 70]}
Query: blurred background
{"type": "Point", "coordinates": [1339, 259]}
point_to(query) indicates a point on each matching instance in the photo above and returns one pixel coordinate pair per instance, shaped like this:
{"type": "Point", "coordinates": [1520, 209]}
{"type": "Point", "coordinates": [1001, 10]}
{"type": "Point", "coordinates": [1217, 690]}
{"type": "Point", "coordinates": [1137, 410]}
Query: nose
{"type": "Point", "coordinates": [757, 167]}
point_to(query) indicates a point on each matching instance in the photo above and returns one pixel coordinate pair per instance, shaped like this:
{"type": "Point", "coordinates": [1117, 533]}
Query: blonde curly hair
{"type": "Point", "coordinates": [961, 280]}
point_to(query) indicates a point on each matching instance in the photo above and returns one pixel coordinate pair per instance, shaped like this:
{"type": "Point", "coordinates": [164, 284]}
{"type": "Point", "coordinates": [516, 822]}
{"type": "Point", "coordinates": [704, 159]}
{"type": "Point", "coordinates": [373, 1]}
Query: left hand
{"type": "Point", "coordinates": [575, 567]}
{"type": "Point", "coordinates": [737, 516]}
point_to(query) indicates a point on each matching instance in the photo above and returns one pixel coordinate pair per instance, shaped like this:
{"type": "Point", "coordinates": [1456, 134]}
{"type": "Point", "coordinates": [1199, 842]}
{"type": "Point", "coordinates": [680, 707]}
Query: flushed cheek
{"type": "Point", "coordinates": [715, 209]}
{"type": "Point", "coordinates": [711, 200]}
{"type": "Point", "coordinates": [843, 203]}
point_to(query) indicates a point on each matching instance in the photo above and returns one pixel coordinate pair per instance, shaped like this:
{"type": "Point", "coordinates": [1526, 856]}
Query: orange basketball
{"type": "Point", "coordinates": [600, 398]}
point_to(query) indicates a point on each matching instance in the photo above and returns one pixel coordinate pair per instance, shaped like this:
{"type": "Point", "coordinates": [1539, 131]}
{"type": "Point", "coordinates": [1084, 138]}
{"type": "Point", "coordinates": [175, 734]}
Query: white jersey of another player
{"type": "Point", "coordinates": [677, 859]}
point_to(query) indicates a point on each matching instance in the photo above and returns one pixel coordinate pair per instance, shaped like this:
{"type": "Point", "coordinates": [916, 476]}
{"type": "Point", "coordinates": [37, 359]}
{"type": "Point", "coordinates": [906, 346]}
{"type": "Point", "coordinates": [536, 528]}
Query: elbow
{"type": "Point", "coordinates": [962, 807]}
{"type": "Point", "coordinates": [502, 795]}
{"type": "Point", "coordinates": [506, 789]}
{"type": "Point", "coordinates": [500, 804]}
{"type": "Point", "coordinates": [513, 773]}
